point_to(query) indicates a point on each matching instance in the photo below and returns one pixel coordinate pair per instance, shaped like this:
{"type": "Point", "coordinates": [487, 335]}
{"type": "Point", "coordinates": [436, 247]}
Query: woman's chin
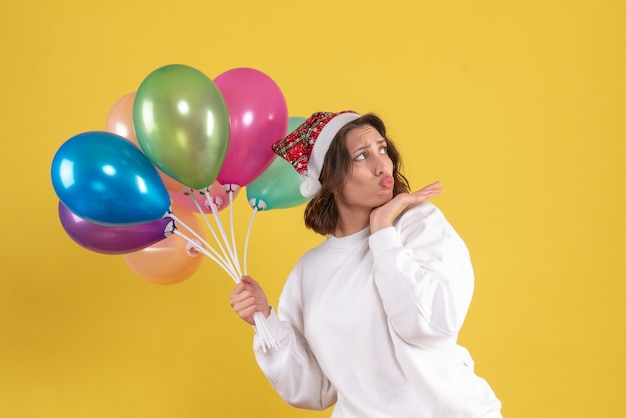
{"type": "Point", "coordinates": [384, 196]}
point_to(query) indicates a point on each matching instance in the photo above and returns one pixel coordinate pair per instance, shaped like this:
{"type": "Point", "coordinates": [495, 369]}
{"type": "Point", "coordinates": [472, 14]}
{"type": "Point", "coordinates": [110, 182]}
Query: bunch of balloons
{"type": "Point", "coordinates": [180, 146]}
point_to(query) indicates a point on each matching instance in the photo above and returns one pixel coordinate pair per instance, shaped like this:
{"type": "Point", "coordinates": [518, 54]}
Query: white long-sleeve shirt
{"type": "Point", "coordinates": [369, 322]}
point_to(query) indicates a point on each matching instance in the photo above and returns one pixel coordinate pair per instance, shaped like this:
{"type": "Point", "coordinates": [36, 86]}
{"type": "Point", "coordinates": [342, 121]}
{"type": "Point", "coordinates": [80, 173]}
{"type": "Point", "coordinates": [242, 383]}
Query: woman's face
{"type": "Point", "coordinates": [370, 181]}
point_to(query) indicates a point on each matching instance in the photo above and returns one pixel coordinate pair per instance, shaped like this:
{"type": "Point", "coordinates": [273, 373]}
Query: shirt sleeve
{"type": "Point", "coordinates": [291, 369]}
{"type": "Point", "coordinates": [423, 273]}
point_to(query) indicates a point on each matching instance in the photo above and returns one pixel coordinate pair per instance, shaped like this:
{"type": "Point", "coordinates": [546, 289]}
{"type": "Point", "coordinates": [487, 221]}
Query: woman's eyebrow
{"type": "Point", "coordinates": [357, 149]}
{"type": "Point", "coordinates": [365, 146]}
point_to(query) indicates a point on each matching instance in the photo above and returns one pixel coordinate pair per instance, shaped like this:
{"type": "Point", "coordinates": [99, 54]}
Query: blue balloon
{"type": "Point", "coordinates": [104, 178]}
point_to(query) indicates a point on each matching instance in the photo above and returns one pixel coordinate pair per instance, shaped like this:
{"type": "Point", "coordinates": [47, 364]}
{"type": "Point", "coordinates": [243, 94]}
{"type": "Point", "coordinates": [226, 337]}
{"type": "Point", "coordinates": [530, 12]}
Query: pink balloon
{"type": "Point", "coordinates": [258, 118]}
{"type": "Point", "coordinates": [120, 121]}
{"type": "Point", "coordinates": [218, 194]}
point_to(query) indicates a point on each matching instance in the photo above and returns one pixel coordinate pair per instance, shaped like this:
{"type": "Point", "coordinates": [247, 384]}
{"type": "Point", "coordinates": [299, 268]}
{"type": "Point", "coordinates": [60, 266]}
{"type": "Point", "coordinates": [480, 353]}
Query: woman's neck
{"type": "Point", "coordinates": [350, 222]}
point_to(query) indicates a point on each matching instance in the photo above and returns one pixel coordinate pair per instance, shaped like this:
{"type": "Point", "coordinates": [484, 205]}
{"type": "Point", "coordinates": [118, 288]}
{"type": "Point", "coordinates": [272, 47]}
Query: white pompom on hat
{"type": "Point", "coordinates": [306, 147]}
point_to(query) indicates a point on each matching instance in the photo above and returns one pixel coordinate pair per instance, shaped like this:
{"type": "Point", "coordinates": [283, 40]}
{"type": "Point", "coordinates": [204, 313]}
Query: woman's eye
{"type": "Point", "coordinates": [383, 150]}
{"type": "Point", "coordinates": [360, 157]}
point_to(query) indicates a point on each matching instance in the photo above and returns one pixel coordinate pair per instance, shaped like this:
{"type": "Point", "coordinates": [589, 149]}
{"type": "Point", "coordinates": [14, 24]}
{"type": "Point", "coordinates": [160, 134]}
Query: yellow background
{"type": "Point", "coordinates": [518, 107]}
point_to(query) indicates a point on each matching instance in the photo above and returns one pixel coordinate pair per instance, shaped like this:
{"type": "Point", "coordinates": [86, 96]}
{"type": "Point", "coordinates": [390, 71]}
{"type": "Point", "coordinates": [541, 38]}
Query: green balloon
{"type": "Point", "coordinates": [182, 124]}
{"type": "Point", "coordinates": [278, 187]}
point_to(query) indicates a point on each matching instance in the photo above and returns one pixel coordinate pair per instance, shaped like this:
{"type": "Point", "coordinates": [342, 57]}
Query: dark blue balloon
{"type": "Point", "coordinates": [106, 179]}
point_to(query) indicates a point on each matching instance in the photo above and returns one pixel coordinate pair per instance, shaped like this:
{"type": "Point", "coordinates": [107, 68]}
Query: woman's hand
{"type": "Point", "coordinates": [247, 298]}
{"type": "Point", "coordinates": [384, 216]}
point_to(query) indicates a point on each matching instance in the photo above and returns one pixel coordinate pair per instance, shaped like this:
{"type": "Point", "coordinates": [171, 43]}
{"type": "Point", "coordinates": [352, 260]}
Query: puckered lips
{"type": "Point", "coordinates": [386, 182]}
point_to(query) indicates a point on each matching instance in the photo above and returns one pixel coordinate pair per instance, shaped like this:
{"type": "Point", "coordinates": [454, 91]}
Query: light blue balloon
{"type": "Point", "coordinates": [278, 187]}
{"type": "Point", "coordinates": [294, 122]}
{"type": "Point", "coordinates": [106, 179]}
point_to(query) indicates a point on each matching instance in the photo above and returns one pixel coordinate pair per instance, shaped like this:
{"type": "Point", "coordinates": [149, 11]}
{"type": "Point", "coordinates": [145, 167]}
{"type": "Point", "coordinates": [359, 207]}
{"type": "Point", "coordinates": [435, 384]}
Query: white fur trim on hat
{"type": "Point", "coordinates": [311, 182]}
{"type": "Point", "coordinates": [310, 187]}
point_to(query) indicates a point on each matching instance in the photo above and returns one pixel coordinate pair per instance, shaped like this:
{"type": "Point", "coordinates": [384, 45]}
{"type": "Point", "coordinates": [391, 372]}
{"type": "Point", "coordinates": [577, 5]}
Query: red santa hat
{"type": "Point", "coordinates": [306, 147]}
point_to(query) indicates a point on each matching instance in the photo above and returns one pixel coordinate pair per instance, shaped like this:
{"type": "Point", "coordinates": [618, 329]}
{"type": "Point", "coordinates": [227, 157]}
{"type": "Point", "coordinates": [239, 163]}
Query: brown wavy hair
{"type": "Point", "coordinates": [321, 214]}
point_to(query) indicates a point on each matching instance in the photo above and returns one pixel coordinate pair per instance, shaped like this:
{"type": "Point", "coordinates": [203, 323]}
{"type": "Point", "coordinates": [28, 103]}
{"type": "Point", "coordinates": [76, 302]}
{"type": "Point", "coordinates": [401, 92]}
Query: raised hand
{"type": "Point", "coordinates": [384, 216]}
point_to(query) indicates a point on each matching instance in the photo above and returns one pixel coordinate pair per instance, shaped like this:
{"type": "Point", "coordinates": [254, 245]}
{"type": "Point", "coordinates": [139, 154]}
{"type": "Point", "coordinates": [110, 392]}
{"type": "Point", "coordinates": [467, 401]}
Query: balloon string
{"type": "Point", "coordinates": [263, 330]}
{"type": "Point", "coordinates": [193, 199]}
{"type": "Point", "coordinates": [245, 248]}
{"type": "Point", "coordinates": [232, 226]}
{"type": "Point", "coordinates": [261, 326]}
{"type": "Point", "coordinates": [218, 220]}
{"type": "Point", "coordinates": [260, 322]}
{"type": "Point", "coordinates": [200, 249]}
{"type": "Point", "coordinates": [215, 211]}
{"type": "Point", "coordinates": [218, 259]}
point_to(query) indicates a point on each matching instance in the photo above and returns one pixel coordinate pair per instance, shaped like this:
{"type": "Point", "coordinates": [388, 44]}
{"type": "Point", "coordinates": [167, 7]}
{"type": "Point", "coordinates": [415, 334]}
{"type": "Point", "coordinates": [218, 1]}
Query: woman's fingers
{"type": "Point", "coordinates": [247, 298]}
{"type": "Point", "coordinates": [385, 215]}
{"type": "Point", "coordinates": [245, 307]}
{"type": "Point", "coordinates": [427, 192]}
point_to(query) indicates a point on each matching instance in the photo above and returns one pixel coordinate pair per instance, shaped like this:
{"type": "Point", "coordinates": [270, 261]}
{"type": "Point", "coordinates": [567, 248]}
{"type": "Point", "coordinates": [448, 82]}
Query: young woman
{"type": "Point", "coordinates": [368, 320]}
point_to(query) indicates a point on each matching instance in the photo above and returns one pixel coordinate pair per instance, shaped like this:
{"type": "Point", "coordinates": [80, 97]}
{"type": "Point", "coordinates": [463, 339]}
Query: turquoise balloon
{"type": "Point", "coordinates": [182, 124]}
{"type": "Point", "coordinates": [106, 179]}
{"type": "Point", "coordinates": [278, 187]}
{"type": "Point", "coordinates": [294, 122]}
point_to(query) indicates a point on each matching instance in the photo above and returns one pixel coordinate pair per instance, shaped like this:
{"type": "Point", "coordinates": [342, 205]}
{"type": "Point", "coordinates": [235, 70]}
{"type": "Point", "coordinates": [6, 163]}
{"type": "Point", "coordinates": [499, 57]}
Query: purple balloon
{"type": "Point", "coordinates": [113, 239]}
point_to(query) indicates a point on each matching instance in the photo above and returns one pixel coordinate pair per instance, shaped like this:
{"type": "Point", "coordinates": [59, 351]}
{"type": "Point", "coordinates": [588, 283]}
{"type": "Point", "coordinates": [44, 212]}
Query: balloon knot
{"type": "Point", "coordinates": [230, 187]}
{"type": "Point", "coordinates": [257, 204]}
{"type": "Point", "coordinates": [170, 228]}
{"type": "Point", "coordinates": [192, 248]}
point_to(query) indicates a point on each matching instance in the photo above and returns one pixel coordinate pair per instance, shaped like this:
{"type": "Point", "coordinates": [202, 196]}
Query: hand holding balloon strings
{"type": "Point", "coordinates": [228, 261]}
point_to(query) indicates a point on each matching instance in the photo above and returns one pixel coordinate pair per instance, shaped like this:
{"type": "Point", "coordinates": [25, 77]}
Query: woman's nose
{"type": "Point", "coordinates": [383, 166]}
